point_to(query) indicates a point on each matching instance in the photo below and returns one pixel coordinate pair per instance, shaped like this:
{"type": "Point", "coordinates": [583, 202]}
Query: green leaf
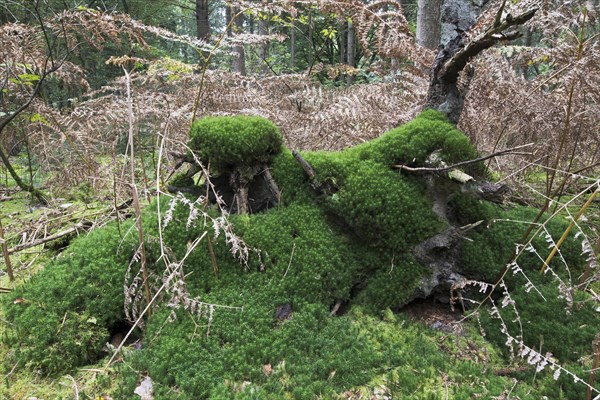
{"type": "Point", "coordinates": [29, 77]}
{"type": "Point", "coordinates": [39, 118]}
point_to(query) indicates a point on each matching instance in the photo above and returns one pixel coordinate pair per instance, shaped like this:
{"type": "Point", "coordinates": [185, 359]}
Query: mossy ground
{"type": "Point", "coordinates": [352, 246]}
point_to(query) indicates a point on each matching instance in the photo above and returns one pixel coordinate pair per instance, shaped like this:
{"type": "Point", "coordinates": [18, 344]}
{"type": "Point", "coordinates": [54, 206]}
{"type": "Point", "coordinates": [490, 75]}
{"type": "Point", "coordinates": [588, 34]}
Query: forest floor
{"type": "Point", "coordinates": [22, 223]}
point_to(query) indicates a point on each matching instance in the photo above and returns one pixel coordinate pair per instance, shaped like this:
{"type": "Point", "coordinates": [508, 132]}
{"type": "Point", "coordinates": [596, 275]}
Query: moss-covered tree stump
{"type": "Point", "coordinates": [237, 150]}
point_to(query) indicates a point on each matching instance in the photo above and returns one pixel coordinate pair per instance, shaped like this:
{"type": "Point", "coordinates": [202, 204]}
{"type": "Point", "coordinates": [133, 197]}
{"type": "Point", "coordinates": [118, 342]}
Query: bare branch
{"type": "Point", "coordinates": [463, 163]}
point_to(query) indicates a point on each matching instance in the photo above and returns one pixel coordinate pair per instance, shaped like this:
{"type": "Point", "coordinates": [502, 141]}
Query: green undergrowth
{"type": "Point", "coordinates": [308, 356]}
{"type": "Point", "coordinates": [262, 329]}
{"type": "Point", "coordinates": [545, 312]}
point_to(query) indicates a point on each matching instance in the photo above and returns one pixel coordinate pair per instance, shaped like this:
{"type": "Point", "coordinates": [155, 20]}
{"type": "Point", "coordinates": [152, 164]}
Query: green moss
{"type": "Point", "coordinates": [547, 321]}
{"type": "Point", "coordinates": [181, 180]}
{"type": "Point", "coordinates": [412, 143]}
{"type": "Point", "coordinates": [63, 314]}
{"type": "Point", "coordinates": [225, 141]}
{"type": "Point", "coordinates": [309, 253]}
{"type": "Point", "coordinates": [494, 243]}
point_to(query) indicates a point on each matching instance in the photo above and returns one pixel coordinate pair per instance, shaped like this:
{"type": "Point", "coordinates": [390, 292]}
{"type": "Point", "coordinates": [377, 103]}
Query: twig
{"type": "Point", "coordinates": [290, 263]}
{"type": "Point", "coordinates": [82, 225]}
{"type": "Point", "coordinates": [75, 388]}
{"type": "Point", "coordinates": [11, 371]}
{"type": "Point", "coordinates": [468, 162]}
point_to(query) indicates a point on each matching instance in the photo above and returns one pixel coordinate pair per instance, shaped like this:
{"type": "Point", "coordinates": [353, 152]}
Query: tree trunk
{"type": "Point", "coordinates": [239, 56]}
{"type": "Point", "coordinates": [444, 93]}
{"type": "Point", "coordinates": [263, 29]}
{"type": "Point", "coordinates": [429, 23]}
{"type": "Point", "coordinates": [311, 45]}
{"type": "Point", "coordinates": [125, 6]}
{"type": "Point", "coordinates": [292, 46]}
{"type": "Point", "coordinates": [350, 51]}
{"type": "Point", "coordinates": [457, 16]}
{"type": "Point", "coordinates": [38, 195]}
{"type": "Point", "coordinates": [202, 23]}
{"type": "Point", "coordinates": [342, 43]}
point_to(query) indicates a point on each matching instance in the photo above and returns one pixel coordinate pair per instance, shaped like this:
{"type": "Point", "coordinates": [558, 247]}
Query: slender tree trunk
{"type": "Point", "coordinates": [350, 51]}
{"type": "Point", "coordinates": [429, 23]}
{"type": "Point", "coordinates": [342, 43]}
{"type": "Point", "coordinates": [293, 45]}
{"type": "Point", "coordinates": [263, 29]}
{"type": "Point", "coordinates": [239, 56]}
{"type": "Point", "coordinates": [125, 6]}
{"type": "Point", "coordinates": [38, 195]}
{"type": "Point", "coordinates": [311, 45]}
{"type": "Point", "coordinates": [202, 22]}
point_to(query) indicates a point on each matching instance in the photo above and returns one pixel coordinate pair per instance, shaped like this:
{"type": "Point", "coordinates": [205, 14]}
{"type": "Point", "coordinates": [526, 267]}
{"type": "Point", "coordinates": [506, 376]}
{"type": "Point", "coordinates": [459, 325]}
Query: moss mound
{"type": "Point", "coordinates": [225, 141]}
{"type": "Point", "coordinates": [265, 330]}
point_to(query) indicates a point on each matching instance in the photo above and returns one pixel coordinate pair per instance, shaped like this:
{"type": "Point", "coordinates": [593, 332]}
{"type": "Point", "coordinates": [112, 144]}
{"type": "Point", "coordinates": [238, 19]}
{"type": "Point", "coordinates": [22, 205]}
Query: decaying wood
{"type": "Point", "coordinates": [336, 308]}
{"type": "Point", "coordinates": [273, 187]}
{"type": "Point", "coordinates": [444, 94]}
{"type": "Point", "coordinates": [241, 198]}
{"type": "Point", "coordinates": [308, 169]}
{"type": "Point", "coordinates": [81, 226]}
{"type": "Point", "coordinates": [326, 187]}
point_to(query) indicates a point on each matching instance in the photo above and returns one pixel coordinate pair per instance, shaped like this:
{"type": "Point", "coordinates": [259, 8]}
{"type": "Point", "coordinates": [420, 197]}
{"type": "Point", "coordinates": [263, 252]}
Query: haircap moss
{"type": "Point", "coordinates": [240, 140]}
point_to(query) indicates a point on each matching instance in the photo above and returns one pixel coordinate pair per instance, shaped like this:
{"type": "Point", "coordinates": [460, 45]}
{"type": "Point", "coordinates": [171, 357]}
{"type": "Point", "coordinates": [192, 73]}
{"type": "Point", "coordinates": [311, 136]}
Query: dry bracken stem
{"type": "Point", "coordinates": [567, 127]}
{"type": "Point", "coordinates": [136, 200]}
{"type": "Point", "coordinates": [566, 232]}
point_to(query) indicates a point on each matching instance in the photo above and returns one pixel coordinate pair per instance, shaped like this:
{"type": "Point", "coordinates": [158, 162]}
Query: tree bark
{"type": "Point", "coordinates": [292, 45]}
{"type": "Point", "coordinates": [429, 23]}
{"type": "Point", "coordinates": [263, 29]}
{"type": "Point", "coordinates": [37, 194]}
{"type": "Point", "coordinates": [239, 56]}
{"type": "Point", "coordinates": [350, 51]}
{"type": "Point", "coordinates": [444, 93]}
{"type": "Point", "coordinates": [202, 22]}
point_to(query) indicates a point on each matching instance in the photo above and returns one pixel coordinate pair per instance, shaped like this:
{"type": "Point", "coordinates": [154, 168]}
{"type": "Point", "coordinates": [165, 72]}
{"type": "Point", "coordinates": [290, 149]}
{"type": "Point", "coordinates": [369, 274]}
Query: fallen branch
{"type": "Point", "coordinates": [326, 188]}
{"type": "Point", "coordinates": [308, 169]}
{"type": "Point", "coordinates": [463, 163]}
{"type": "Point", "coordinates": [83, 225]}
{"type": "Point", "coordinates": [5, 290]}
